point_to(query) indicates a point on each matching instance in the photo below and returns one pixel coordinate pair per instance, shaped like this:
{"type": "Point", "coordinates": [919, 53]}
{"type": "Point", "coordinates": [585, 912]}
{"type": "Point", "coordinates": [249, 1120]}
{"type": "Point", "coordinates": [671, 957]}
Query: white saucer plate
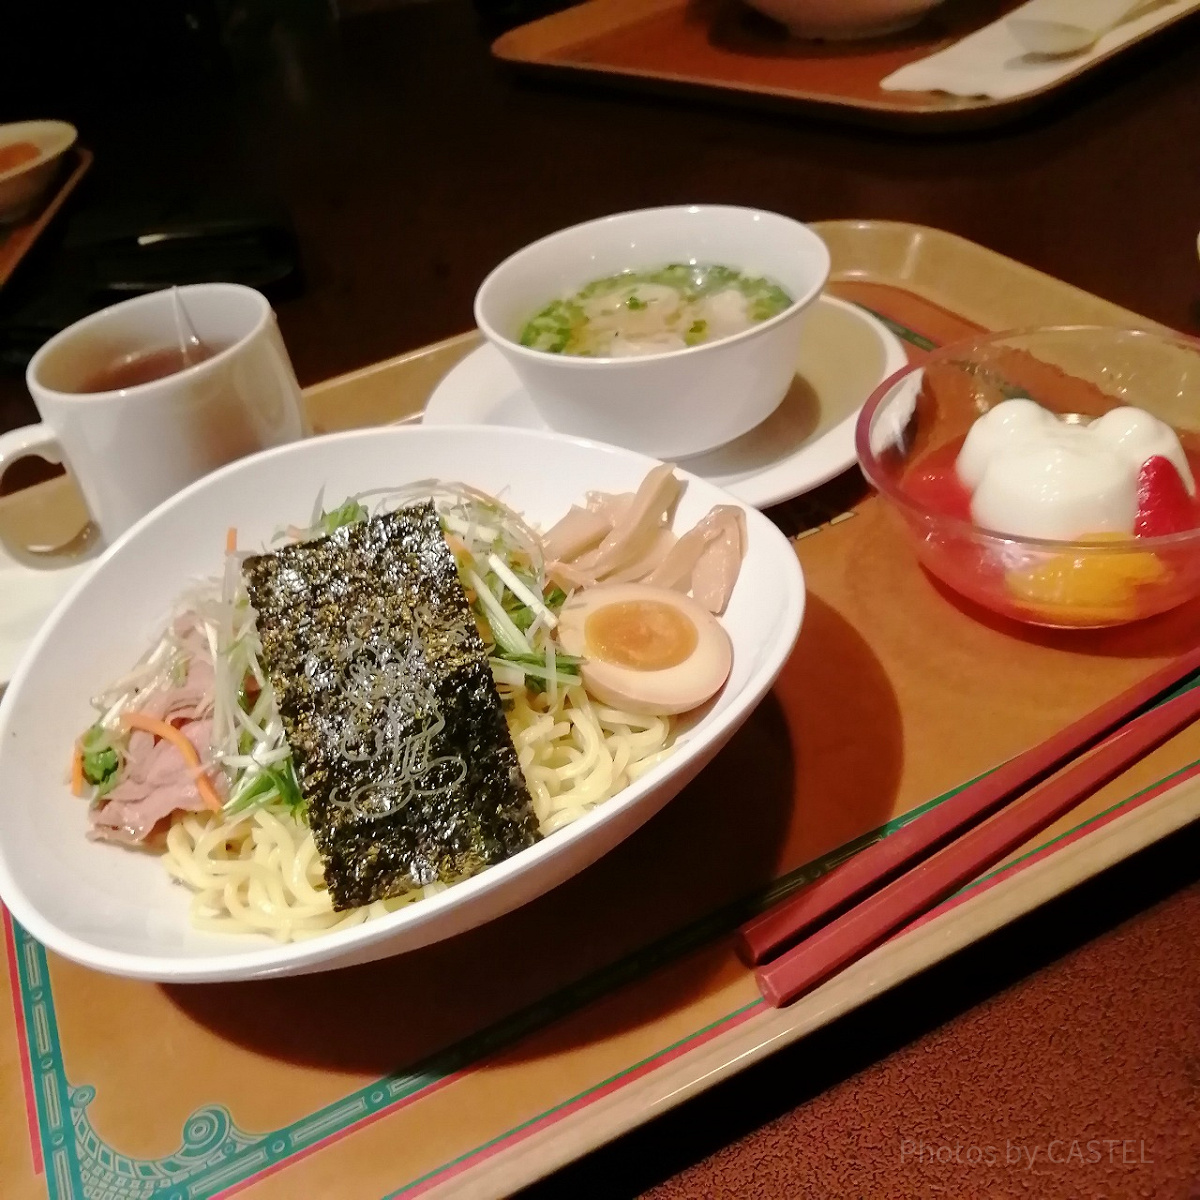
{"type": "Point", "coordinates": [844, 354]}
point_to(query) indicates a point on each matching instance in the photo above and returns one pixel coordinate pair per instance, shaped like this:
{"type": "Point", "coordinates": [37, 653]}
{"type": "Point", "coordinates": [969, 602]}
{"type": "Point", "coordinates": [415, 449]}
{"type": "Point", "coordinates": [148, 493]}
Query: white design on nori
{"type": "Point", "coordinates": [344, 618]}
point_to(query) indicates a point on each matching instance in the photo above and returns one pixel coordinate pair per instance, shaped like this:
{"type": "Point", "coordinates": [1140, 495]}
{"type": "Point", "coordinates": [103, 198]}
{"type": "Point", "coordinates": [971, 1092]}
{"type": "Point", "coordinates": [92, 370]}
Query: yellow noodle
{"type": "Point", "coordinates": [261, 873]}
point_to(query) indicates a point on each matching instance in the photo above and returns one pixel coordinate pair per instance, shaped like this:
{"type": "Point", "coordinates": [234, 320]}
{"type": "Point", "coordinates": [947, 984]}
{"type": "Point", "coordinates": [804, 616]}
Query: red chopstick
{"type": "Point", "coordinates": [777, 928]}
{"type": "Point", "coordinates": [850, 936]}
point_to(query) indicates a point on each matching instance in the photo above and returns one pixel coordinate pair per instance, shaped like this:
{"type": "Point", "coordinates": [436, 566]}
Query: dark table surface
{"type": "Point", "coordinates": [409, 163]}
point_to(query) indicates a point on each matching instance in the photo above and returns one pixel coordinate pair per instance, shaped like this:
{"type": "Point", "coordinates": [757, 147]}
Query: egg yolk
{"type": "Point", "coordinates": [645, 635]}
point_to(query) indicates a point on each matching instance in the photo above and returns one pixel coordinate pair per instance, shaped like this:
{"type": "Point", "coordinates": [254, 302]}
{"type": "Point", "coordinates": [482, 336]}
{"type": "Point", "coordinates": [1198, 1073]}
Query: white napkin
{"type": "Point", "coordinates": [991, 62]}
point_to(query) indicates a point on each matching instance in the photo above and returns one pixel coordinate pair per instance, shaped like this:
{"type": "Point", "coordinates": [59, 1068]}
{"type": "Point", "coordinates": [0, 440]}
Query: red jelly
{"type": "Point", "coordinates": [937, 487]}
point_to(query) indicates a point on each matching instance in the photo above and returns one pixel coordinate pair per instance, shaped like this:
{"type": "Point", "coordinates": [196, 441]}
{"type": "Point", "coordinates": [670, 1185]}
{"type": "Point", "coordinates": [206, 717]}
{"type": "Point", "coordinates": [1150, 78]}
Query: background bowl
{"type": "Point", "coordinates": [673, 404]}
{"type": "Point", "coordinates": [21, 186]}
{"type": "Point", "coordinates": [918, 418]}
{"type": "Point", "coordinates": [842, 20]}
{"type": "Point", "coordinates": [117, 910]}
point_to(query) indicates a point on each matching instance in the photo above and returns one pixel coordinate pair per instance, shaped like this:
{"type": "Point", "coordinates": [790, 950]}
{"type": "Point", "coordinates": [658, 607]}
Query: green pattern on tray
{"type": "Point", "coordinates": [215, 1154]}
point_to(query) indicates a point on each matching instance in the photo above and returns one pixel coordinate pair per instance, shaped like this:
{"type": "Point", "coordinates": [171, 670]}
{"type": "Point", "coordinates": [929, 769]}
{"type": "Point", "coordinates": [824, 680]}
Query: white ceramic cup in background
{"type": "Point", "coordinates": [679, 402]}
{"type": "Point", "coordinates": [131, 448]}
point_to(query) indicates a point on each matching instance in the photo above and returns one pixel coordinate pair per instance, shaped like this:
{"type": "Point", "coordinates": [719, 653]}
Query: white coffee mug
{"type": "Point", "coordinates": [130, 448]}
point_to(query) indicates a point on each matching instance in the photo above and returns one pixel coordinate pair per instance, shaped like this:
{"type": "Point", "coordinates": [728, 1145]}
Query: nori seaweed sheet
{"type": "Point", "coordinates": [397, 732]}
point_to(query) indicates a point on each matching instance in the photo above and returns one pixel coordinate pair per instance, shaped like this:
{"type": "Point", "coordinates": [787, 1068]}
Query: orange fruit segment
{"type": "Point", "coordinates": [1076, 586]}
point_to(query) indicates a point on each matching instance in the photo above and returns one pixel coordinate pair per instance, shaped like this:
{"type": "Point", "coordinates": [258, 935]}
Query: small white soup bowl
{"type": "Point", "coordinates": [679, 402]}
{"type": "Point", "coordinates": [844, 20]}
{"type": "Point", "coordinates": [22, 185]}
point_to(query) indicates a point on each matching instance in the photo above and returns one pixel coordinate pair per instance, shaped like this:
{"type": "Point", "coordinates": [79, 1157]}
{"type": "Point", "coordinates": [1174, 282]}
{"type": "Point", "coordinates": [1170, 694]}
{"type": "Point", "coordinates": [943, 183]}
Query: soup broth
{"type": "Point", "coordinates": [654, 312]}
{"type": "Point", "coordinates": [17, 154]}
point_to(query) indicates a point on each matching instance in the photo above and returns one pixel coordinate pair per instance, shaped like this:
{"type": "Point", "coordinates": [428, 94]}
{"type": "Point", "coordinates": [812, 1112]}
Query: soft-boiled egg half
{"type": "Point", "coordinates": [645, 649]}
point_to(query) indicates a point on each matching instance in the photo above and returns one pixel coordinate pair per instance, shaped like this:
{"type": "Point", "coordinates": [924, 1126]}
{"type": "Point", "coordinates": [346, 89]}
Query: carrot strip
{"type": "Point", "coordinates": [77, 771]}
{"type": "Point", "coordinates": [148, 724]}
{"type": "Point", "coordinates": [231, 539]}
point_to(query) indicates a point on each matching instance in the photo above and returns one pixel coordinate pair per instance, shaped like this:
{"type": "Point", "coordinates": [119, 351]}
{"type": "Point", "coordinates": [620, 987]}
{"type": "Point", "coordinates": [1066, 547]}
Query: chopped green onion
{"type": "Point", "coordinates": [101, 759]}
{"type": "Point", "coordinates": [570, 663]}
{"type": "Point", "coordinates": [508, 637]}
{"type": "Point", "coordinates": [507, 671]}
{"type": "Point", "coordinates": [265, 785]}
{"type": "Point", "coordinates": [469, 529]}
{"type": "Point", "coordinates": [520, 590]}
{"type": "Point", "coordinates": [349, 513]}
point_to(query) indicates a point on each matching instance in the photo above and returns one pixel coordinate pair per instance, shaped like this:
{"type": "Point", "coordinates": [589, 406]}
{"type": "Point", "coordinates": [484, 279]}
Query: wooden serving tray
{"type": "Point", "coordinates": [723, 48]}
{"type": "Point", "coordinates": [473, 1067]}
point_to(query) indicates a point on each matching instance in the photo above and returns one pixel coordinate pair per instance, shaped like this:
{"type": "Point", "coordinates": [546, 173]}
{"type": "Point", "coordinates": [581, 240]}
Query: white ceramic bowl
{"type": "Point", "coordinates": [21, 186]}
{"type": "Point", "coordinates": [117, 910]}
{"type": "Point", "coordinates": [673, 404]}
{"type": "Point", "coordinates": [844, 20]}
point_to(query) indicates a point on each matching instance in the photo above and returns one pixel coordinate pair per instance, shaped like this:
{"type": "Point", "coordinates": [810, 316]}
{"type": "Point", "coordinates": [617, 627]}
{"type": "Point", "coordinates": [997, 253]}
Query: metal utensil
{"type": "Point", "coordinates": [1059, 27]}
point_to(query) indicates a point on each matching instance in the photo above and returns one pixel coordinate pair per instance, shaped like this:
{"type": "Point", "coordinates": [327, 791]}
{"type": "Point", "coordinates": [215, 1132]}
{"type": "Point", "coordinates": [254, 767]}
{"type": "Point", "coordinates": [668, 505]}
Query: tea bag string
{"type": "Point", "coordinates": [190, 346]}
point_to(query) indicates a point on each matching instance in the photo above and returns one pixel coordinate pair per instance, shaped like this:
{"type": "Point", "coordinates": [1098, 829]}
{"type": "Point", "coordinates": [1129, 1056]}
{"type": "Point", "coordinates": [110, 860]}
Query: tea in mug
{"type": "Point", "coordinates": [130, 370]}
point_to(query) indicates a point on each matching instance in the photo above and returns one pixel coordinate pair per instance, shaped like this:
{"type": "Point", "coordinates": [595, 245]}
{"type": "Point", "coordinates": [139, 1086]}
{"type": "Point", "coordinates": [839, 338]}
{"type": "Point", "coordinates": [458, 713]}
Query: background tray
{"type": "Point", "coordinates": [17, 240]}
{"type": "Point", "coordinates": [724, 48]}
{"type": "Point", "coordinates": [475, 1066]}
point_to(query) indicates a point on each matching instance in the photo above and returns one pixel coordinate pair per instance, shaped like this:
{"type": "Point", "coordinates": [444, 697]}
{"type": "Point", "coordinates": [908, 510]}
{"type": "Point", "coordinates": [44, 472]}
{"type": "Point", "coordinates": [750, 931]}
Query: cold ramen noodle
{"type": "Point", "coordinates": [414, 687]}
{"type": "Point", "coordinates": [652, 312]}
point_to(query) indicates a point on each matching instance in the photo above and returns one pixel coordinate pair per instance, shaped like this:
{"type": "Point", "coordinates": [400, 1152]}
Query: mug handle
{"type": "Point", "coordinates": [41, 440]}
{"type": "Point", "coordinates": [29, 439]}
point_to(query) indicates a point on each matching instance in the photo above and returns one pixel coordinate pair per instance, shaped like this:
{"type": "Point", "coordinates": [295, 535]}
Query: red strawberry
{"type": "Point", "coordinates": [1164, 505]}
